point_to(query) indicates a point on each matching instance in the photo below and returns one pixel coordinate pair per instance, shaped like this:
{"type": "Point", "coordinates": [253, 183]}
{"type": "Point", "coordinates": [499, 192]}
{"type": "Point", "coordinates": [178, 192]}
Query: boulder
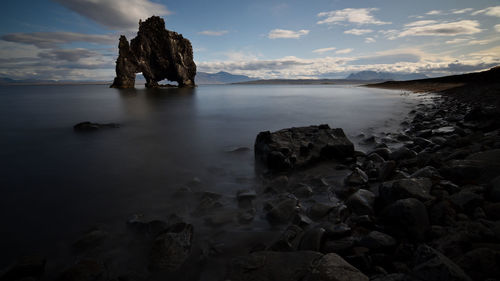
{"type": "Point", "coordinates": [406, 188]}
{"type": "Point", "coordinates": [157, 53]}
{"type": "Point", "coordinates": [361, 202]}
{"type": "Point", "coordinates": [376, 240]}
{"type": "Point", "coordinates": [481, 263]}
{"type": "Point", "coordinates": [84, 270]}
{"type": "Point", "coordinates": [407, 218]}
{"type": "Point", "coordinates": [431, 265]}
{"type": "Point", "coordinates": [89, 126]}
{"type": "Point", "coordinates": [357, 177]}
{"type": "Point", "coordinates": [299, 147]}
{"type": "Point", "coordinates": [171, 248]}
{"type": "Point", "coordinates": [282, 209]}
{"type": "Point", "coordinates": [25, 267]}
{"type": "Point", "coordinates": [402, 153]}
{"type": "Point", "coordinates": [332, 267]}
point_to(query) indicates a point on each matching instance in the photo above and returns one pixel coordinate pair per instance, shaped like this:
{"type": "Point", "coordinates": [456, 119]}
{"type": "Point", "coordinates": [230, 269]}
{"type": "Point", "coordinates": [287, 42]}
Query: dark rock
{"type": "Point", "coordinates": [246, 216]}
{"type": "Point", "coordinates": [336, 231]}
{"type": "Point", "coordinates": [25, 267]}
{"type": "Point", "coordinates": [383, 152]}
{"type": "Point", "coordinates": [149, 228]}
{"type": "Point", "coordinates": [407, 218]}
{"type": "Point", "coordinates": [357, 177]}
{"type": "Point", "coordinates": [289, 240]}
{"type": "Point", "coordinates": [427, 172]}
{"type": "Point", "coordinates": [395, 277]}
{"type": "Point", "coordinates": [156, 52]}
{"type": "Point", "coordinates": [245, 198]}
{"type": "Point", "coordinates": [302, 146]}
{"type": "Point", "coordinates": [406, 188]}
{"type": "Point", "coordinates": [171, 248]}
{"type": "Point", "coordinates": [340, 246]}
{"type": "Point", "coordinates": [444, 130]}
{"type": "Point", "coordinates": [376, 240]}
{"type": "Point", "coordinates": [332, 267]}
{"type": "Point", "coordinates": [386, 170]}
{"type": "Point", "coordinates": [85, 270]}
{"type": "Point", "coordinates": [90, 240]}
{"type": "Point", "coordinates": [302, 220]}
{"type": "Point", "coordinates": [481, 263]}
{"type": "Point", "coordinates": [494, 190]}
{"type": "Point", "coordinates": [319, 210]}
{"type": "Point", "coordinates": [431, 265]}
{"type": "Point", "coordinates": [219, 218]}
{"type": "Point", "coordinates": [312, 239]}
{"type": "Point", "coordinates": [207, 203]}
{"type": "Point", "coordinates": [282, 210]}
{"type": "Point", "coordinates": [492, 211]}
{"type": "Point", "coordinates": [302, 190]}
{"type": "Point", "coordinates": [482, 166]}
{"type": "Point", "coordinates": [89, 126]}
{"type": "Point", "coordinates": [361, 202]}
{"type": "Point", "coordinates": [466, 201]}
{"type": "Point", "coordinates": [376, 158]}
{"type": "Point", "coordinates": [402, 153]}
{"type": "Point", "coordinates": [270, 266]}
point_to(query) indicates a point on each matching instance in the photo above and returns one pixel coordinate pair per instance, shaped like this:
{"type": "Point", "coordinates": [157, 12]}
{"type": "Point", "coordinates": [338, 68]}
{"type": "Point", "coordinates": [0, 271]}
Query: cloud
{"type": "Point", "coordinates": [433, 12]}
{"type": "Point", "coordinates": [383, 58]}
{"type": "Point", "coordinates": [46, 40]}
{"type": "Point", "coordinates": [70, 55]}
{"type": "Point", "coordinates": [497, 27]}
{"type": "Point", "coordinates": [457, 40]}
{"type": "Point", "coordinates": [344, 51]}
{"type": "Point", "coordinates": [115, 14]}
{"type": "Point", "coordinates": [350, 15]}
{"type": "Point", "coordinates": [356, 31]}
{"type": "Point", "coordinates": [490, 11]}
{"type": "Point", "coordinates": [213, 32]}
{"type": "Point", "coordinates": [370, 40]}
{"type": "Point", "coordinates": [284, 33]}
{"type": "Point", "coordinates": [443, 29]}
{"type": "Point", "coordinates": [462, 11]}
{"type": "Point", "coordinates": [324, 50]}
{"type": "Point", "coordinates": [420, 23]}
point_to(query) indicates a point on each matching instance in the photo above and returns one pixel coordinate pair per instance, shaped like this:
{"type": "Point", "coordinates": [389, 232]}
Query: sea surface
{"type": "Point", "coordinates": [55, 182]}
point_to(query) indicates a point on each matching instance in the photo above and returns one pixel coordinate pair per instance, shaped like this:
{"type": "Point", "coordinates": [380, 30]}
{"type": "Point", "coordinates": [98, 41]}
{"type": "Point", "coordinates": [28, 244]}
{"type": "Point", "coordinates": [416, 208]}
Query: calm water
{"type": "Point", "coordinates": [55, 182]}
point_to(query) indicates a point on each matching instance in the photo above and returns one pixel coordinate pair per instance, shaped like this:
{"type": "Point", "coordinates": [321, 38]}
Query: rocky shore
{"type": "Point", "coordinates": [423, 203]}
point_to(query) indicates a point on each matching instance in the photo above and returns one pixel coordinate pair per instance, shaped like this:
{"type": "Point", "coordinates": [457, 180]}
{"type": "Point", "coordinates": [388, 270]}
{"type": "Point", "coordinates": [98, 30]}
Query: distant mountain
{"type": "Point", "coordinates": [221, 77]}
{"type": "Point", "coordinates": [374, 75]}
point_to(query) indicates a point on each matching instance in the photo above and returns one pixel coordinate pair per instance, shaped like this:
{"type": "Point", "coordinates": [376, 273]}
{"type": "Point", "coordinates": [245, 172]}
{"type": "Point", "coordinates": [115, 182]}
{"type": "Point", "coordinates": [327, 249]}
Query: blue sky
{"type": "Point", "coordinates": [77, 39]}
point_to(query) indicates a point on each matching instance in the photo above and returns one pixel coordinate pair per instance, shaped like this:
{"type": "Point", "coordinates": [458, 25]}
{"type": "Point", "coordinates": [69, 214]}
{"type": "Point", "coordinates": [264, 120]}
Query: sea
{"type": "Point", "coordinates": [56, 183]}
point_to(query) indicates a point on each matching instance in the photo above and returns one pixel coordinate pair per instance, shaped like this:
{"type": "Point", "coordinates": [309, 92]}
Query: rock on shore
{"type": "Point", "coordinates": [302, 146]}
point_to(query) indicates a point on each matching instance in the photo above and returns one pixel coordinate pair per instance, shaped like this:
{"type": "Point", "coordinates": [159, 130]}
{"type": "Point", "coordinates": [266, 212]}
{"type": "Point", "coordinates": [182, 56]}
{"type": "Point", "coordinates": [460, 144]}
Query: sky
{"type": "Point", "coordinates": [78, 39]}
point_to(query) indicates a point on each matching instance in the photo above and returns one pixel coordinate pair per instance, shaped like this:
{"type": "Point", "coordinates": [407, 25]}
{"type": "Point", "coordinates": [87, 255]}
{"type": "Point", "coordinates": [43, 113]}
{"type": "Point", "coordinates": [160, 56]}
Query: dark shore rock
{"type": "Point", "coordinates": [407, 218]}
{"type": "Point", "coordinates": [25, 268]}
{"type": "Point", "coordinates": [171, 248]}
{"type": "Point", "coordinates": [431, 265]}
{"type": "Point", "coordinates": [86, 269]}
{"type": "Point", "coordinates": [89, 126]}
{"type": "Point", "coordinates": [299, 147]}
{"type": "Point", "coordinates": [156, 52]}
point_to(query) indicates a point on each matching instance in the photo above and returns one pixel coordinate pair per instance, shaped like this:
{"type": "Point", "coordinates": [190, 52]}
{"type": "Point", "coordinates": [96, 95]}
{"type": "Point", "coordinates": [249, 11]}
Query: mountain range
{"type": "Point", "coordinates": [204, 78]}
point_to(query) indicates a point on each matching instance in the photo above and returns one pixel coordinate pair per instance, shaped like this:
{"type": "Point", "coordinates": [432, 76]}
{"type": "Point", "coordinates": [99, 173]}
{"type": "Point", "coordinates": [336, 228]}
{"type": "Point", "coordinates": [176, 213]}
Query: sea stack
{"type": "Point", "coordinates": [156, 52]}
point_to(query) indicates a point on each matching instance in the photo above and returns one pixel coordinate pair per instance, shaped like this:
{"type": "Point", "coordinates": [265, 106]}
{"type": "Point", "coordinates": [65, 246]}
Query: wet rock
{"type": "Point", "coordinates": [395, 277]}
{"type": "Point", "coordinates": [376, 240]}
{"type": "Point", "coordinates": [85, 270]}
{"type": "Point", "coordinates": [494, 190]}
{"type": "Point", "coordinates": [361, 202]}
{"type": "Point", "coordinates": [336, 231]}
{"type": "Point", "coordinates": [340, 245]}
{"type": "Point", "coordinates": [407, 218]}
{"type": "Point", "coordinates": [89, 126]}
{"type": "Point", "coordinates": [431, 265]}
{"type": "Point", "coordinates": [208, 202]}
{"type": "Point", "coordinates": [357, 177]}
{"type": "Point", "coordinates": [482, 166]}
{"type": "Point", "coordinates": [246, 216]}
{"type": "Point", "coordinates": [481, 263]}
{"type": "Point", "coordinates": [319, 210]}
{"type": "Point", "coordinates": [375, 158]}
{"type": "Point", "coordinates": [386, 170]}
{"type": "Point", "coordinates": [90, 240]}
{"type": "Point", "coordinates": [302, 190]}
{"type": "Point", "coordinates": [245, 198]}
{"type": "Point", "coordinates": [302, 146]}
{"type": "Point", "coordinates": [282, 210]}
{"type": "Point", "coordinates": [402, 153]}
{"type": "Point", "coordinates": [339, 213]}
{"type": "Point", "coordinates": [312, 239]}
{"type": "Point", "coordinates": [219, 218]}
{"type": "Point", "coordinates": [332, 267]}
{"type": "Point", "coordinates": [466, 201]}
{"type": "Point", "coordinates": [406, 188]}
{"type": "Point", "coordinates": [25, 267]}
{"type": "Point", "coordinates": [149, 228]}
{"type": "Point", "coordinates": [157, 53]}
{"type": "Point", "coordinates": [383, 152]}
{"type": "Point", "coordinates": [444, 130]}
{"type": "Point", "coordinates": [427, 172]}
{"type": "Point", "coordinates": [289, 240]}
{"type": "Point", "coordinates": [270, 266]}
{"type": "Point", "coordinates": [171, 248]}
{"type": "Point", "coordinates": [492, 211]}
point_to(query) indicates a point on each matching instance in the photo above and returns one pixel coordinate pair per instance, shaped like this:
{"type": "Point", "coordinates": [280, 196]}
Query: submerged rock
{"type": "Point", "coordinates": [89, 126]}
{"type": "Point", "coordinates": [298, 147]}
{"type": "Point", "coordinates": [171, 248]}
{"type": "Point", "coordinates": [156, 52]}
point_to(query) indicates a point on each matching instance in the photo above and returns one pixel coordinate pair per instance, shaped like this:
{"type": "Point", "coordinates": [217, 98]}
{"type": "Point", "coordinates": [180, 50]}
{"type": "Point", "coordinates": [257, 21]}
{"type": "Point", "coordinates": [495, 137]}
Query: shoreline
{"type": "Point", "coordinates": [354, 211]}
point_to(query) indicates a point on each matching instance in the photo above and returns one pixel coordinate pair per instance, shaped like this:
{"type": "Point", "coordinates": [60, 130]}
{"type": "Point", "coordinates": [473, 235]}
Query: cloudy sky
{"type": "Point", "coordinates": [77, 39]}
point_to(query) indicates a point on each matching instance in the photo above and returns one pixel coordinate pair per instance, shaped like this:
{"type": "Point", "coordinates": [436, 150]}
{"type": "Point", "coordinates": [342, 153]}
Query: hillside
{"type": "Point", "coordinates": [374, 75]}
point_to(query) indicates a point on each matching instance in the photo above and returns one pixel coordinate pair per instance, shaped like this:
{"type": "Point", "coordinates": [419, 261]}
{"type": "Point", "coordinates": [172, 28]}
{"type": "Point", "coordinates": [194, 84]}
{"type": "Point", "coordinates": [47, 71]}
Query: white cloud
{"type": "Point", "coordinates": [284, 33]}
{"type": "Point", "coordinates": [443, 29]}
{"type": "Point", "coordinates": [497, 27]}
{"type": "Point", "coordinates": [53, 39]}
{"type": "Point", "coordinates": [433, 12]}
{"type": "Point", "coordinates": [457, 40]}
{"type": "Point", "coordinates": [462, 11]}
{"type": "Point", "coordinates": [116, 14]}
{"type": "Point", "coordinates": [490, 11]}
{"type": "Point", "coordinates": [213, 32]}
{"type": "Point", "coordinates": [350, 15]}
{"type": "Point", "coordinates": [344, 51]}
{"type": "Point", "coordinates": [370, 40]}
{"type": "Point", "coordinates": [420, 23]}
{"type": "Point", "coordinates": [324, 50]}
{"type": "Point", "coordinates": [356, 31]}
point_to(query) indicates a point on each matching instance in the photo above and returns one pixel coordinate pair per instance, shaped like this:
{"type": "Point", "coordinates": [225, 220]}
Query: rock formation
{"type": "Point", "coordinates": [156, 52]}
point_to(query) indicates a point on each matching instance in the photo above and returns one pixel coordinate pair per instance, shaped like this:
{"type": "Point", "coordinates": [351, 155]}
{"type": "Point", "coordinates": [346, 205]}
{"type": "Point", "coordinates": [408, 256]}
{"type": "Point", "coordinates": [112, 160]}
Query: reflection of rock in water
{"type": "Point", "coordinates": [156, 52]}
